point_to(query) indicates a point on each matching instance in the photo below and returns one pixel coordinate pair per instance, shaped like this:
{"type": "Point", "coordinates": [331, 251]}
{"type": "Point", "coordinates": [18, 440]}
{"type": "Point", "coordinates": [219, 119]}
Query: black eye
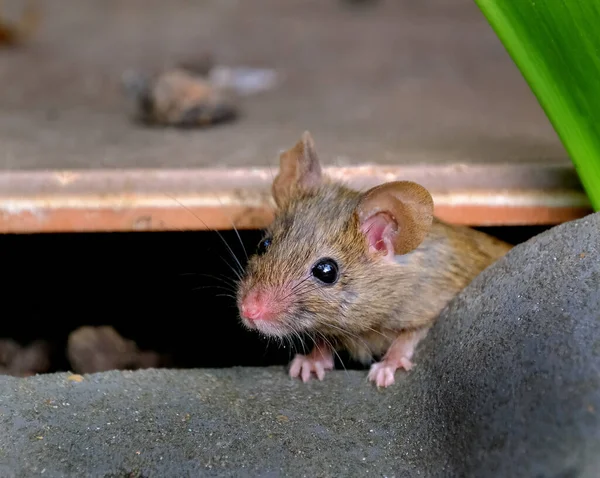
{"type": "Point", "coordinates": [326, 270]}
{"type": "Point", "coordinates": [263, 246]}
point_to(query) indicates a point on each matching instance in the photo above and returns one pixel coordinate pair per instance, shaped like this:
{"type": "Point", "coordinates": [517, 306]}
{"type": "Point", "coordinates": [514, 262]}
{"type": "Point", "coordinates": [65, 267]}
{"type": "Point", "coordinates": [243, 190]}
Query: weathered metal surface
{"type": "Point", "coordinates": [407, 90]}
{"type": "Point", "coordinates": [406, 82]}
{"type": "Point", "coordinates": [220, 199]}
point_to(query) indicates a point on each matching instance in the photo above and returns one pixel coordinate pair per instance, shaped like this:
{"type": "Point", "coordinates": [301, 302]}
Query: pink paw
{"type": "Point", "coordinates": [382, 373]}
{"type": "Point", "coordinates": [303, 365]}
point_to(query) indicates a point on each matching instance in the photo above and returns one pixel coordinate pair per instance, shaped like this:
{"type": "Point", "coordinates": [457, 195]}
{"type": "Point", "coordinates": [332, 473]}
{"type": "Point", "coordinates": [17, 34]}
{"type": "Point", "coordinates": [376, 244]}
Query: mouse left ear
{"type": "Point", "coordinates": [299, 168]}
{"type": "Point", "coordinates": [395, 217]}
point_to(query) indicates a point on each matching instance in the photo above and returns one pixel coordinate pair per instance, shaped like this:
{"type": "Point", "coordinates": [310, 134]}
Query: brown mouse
{"type": "Point", "coordinates": [366, 272]}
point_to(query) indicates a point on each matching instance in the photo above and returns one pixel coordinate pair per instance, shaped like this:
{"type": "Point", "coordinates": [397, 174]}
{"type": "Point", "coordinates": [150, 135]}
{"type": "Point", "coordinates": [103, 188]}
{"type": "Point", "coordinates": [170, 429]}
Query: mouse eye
{"type": "Point", "coordinates": [263, 246]}
{"type": "Point", "coordinates": [326, 270]}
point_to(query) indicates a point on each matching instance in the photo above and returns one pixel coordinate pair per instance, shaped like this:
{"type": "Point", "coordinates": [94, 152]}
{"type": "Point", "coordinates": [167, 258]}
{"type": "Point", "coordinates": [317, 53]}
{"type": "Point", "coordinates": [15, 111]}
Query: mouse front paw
{"type": "Point", "coordinates": [382, 373]}
{"type": "Point", "coordinates": [398, 356]}
{"type": "Point", "coordinates": [316, 362]}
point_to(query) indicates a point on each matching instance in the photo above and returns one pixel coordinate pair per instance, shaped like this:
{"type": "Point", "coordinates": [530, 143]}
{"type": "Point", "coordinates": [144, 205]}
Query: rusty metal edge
{"type": "Point", "coordinates": [439, 177]}
{"type": "Point", "coordinates": [160, 200]}
{"type": "Point", "coordinates": [243, 217]}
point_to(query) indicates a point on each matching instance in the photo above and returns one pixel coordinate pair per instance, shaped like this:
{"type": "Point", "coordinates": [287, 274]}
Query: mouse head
{"type": "Point", "coordinates": [328, 258]}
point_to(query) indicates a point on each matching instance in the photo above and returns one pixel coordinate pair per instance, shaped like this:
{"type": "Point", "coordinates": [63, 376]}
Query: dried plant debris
{"type": "Point", "coordinates": [181, 98]}
{"type": "Point", "coordinates": [100, 349]}
{"type": "Point", "coordinates": [14, 34]}
{"type": "Point", "coordinates": [24, 361]}
{"type": "Point", "coordinates": [195, 93]}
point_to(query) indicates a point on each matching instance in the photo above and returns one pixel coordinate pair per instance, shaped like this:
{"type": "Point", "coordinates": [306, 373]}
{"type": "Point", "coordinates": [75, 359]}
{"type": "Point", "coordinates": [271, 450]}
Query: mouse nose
{"type": "Point", "coordinates": [251, 311]}
{"type": "Point", "coordinates": [257, 306]}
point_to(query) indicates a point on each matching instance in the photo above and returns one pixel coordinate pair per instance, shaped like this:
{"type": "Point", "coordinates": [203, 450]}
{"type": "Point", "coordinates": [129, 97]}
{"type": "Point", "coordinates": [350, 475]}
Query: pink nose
{"type": "Point", "coordinates": [257, 306]}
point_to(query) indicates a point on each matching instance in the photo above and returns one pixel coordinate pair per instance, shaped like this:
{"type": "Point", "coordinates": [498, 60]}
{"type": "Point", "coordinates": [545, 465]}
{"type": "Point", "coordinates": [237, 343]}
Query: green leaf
{"type": "Point", "coordinates": [556, 46]}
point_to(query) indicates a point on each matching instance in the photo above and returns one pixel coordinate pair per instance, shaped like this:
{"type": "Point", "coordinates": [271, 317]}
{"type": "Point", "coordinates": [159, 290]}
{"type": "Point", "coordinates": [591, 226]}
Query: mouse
{"type": "Point", "coordinates": [365, 272]}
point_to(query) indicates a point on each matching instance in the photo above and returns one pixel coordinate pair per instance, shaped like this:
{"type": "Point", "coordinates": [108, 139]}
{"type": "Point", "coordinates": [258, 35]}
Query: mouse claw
{"type": "Point", "coordinates": [397, 356]}
{"type": "Point", "coordinates": [382, 373]}
{"type": "Point", "coordinates": [305, 374]}
{"type": "Point", "coordinates": [304, 365]}
{"type": "Point", "coordinates": [319, 370]}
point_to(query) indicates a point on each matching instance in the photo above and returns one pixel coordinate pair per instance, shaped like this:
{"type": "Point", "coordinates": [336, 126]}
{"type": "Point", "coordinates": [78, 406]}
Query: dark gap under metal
{"type": "Point", "coordinates": [153, 288]}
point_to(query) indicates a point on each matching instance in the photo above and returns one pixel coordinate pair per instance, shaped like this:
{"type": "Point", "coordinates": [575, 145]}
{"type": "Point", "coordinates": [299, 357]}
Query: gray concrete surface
{"type": "Point", "coordinates": [513, 365]}
{"type": "Point", "coordinates": [403, 82]}
{"type": "Point", "coordinates": [506, 384]}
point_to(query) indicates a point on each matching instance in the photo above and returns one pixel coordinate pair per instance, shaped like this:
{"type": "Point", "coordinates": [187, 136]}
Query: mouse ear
{"type": "Point", "coordinates": [299, 168]}
{"type": "Point", "coordinates": [395, 217]}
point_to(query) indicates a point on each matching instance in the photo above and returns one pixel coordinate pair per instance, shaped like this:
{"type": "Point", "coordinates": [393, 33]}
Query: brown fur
{"type": "Point", "coordinates": [299, 169]}
{"type": "Point", "coordinates": [375, 298]}
{"type": "Point", "coordinates": [409, 207]}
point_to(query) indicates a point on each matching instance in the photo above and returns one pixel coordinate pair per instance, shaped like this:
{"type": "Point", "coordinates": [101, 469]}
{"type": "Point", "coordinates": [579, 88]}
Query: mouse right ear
{"type": "Point", "coordinates": [299, 168]}
{"type": "Point", "coordinates": [395, 217]}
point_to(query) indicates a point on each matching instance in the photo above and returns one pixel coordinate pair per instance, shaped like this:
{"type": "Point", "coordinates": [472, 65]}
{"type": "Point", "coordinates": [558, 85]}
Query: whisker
{"type": "Point", "coordinates": [318, 289]}
{"type": "Point", "coordinates": [375, 331]}
{"type": "Point", "coordinates": [293, 349]}
{"type": "Point", "coordinates": [237, 274]}
{"type": "Point", "coordinates": [222, 279]}
{"type": "Point", "coordinates": [212, 287]}
{"type": "Point", "coordinates": [349, 334]}
{"type": "Point", "coordinates": [293, 290]}
{"type": "Point", "coordinates": [322, 336]}
{"type": "Point", "coordinates": [315, 344]}
{"type": "Point", "coordinates": [235, 229]}
{"type": "Point", "coordinates": [209, 228]}
{"type": "Point", "coordinates": [285, 341]}
{"type": "Point", "coordinates": [302, 342]}
{"type": "Point", "coordinates": [310, 289]}
{"type": "Point", "coordinates": [303, 281]}
{"type": "Point", "coordinates": [295, 333]}
{"type": "Point", "coordinates": [308, 285]}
